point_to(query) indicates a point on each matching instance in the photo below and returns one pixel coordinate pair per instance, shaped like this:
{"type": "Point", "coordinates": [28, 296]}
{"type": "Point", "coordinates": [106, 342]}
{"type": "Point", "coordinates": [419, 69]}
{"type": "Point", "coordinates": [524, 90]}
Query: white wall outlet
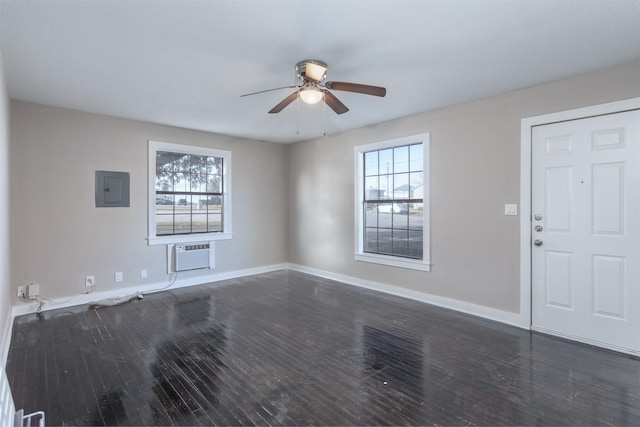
{"type": "Point", "coordinates": [89, 281]}
{"type": "Point", "coordinates": [22, 291]}
{"type": "Point", "coordinates": [118, 276]}
{"type": "Point", "coordinates": [143, 273]}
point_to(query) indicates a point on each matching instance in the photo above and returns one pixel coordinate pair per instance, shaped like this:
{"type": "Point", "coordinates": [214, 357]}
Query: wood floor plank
{"type": "Point", "coordinates": [286, 348]}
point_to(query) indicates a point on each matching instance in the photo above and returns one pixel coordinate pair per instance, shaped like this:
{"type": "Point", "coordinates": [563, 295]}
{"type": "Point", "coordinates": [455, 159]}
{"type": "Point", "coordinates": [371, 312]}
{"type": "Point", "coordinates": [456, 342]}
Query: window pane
{"type": "Point", "coordinates": [385, 161]}
{"type": "Point", "coordinates": [401, 159]}
{"type": "Point", "coordinates": [372, 189]}
{"type": "Point", "coordinates": [384, 215]}
{"type": "Point", "coordinates": [386, 186]}
{"type": "Point", "coordinates": [415, 182]}
{"type": "Point", "coordinates": [184, 201]}
{"type": "Point", "coordinates": [197, 183]}
{"type": "Point", "coordinates": [371, 214]}
{"type": "Point", "coordinates": [384, 241]}
{"type": "Point", "coordinates": [214, 184]}
{"type": "Point", "coordinates": [180, 182]}
{"type": "Point", "coordinates": [181, 209]}
{"type": "Point", "coordinates": [183, 164]}
{"type": "Point", "coordinates": [199, 222]}
{"type": "Point", "coordinates": [182, 224]}
{"type": "Point", "coordinates": [214, 204]}
{"type": "Point", "coordinates": [167, 161]}
{"type": "Point", "coordinates": [164, 182]}
{"type": "Point", "coordinates": [214, 165]}
{"type": "Point", "coordinates": [400, 242]}
{"type": "Point", "coordinates": [416, 157]}
{"type": "Point", "coordinates": [164, 202]}
{"type": "Point", "coordinates": [401, 188]}
{"type": "Point", "coordinates": [371, 163]}
{"type": "Point", "coordinates": [400, 216]}
{"type": "Point", "coordinates": [415, 216]}
{"type": "Point", "coordinates": [415, 244]}
{"type": "Point", "coordinates": [164, 224]}
{"type": "Point", "coordinates": [371, 240]}
{"type": "Point", "coordinates": [215, 222]}
{"type": "Point", "coordinates": [199, 217]}
{"type": "Point", "coordinates": [199, 164]}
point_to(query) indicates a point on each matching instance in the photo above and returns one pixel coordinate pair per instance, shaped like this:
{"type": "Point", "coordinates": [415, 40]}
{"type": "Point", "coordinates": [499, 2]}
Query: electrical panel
{"type": "Point", "coordinates": [112, 189]}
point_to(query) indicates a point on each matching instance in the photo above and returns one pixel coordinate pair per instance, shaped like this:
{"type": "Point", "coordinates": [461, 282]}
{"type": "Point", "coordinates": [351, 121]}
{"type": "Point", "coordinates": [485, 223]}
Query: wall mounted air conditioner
{"type": "Point", "coordinates": [190, 256]}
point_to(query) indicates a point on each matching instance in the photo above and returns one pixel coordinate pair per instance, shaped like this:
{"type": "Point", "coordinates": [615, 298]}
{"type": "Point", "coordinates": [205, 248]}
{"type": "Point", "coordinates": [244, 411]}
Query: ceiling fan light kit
{"type": "Point", "coordinates": [310, 95]}
{"type": "Point", "coordinates": [312, 73]}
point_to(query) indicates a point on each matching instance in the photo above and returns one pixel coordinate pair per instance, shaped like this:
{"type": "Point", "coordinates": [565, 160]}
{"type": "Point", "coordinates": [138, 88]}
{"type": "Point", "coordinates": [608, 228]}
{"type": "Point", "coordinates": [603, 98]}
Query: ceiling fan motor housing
{"type": "Point", "coordinates": [311, 70]}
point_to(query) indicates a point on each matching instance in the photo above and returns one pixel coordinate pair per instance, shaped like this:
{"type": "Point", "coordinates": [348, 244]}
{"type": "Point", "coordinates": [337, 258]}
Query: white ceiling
{"type": "Point", "coordinates": [186, 63]}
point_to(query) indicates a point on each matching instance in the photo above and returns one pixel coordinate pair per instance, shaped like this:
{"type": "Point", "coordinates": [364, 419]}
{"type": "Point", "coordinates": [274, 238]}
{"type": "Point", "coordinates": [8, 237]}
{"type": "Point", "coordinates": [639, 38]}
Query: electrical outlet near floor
{"type": "Point", "coordinates": [118, 276]}
{"type": "Point", "coordinates": [89, 281]}
{"type": "Point", "coordinates": [22, 291]}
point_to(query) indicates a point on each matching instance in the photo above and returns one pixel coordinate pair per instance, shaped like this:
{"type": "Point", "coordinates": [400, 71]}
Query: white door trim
{"type": "Point", "coordinates": [525, 186]}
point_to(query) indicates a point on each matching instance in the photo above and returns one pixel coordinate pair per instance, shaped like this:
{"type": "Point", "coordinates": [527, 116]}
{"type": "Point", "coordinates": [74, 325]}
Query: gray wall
{"type": "Point", "coordinates": [5, 287]}
{"type": "Point", "coordinates": [290, 203]}
{"type": "Point", "coordinates": [59, 236]}
{"type": "Point", "coordinates": [475, 157]}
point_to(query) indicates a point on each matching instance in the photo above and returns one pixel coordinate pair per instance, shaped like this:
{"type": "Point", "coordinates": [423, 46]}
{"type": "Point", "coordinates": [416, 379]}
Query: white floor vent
{"type": "Point", "coordinates": [35, 419]}
{"type": "Point", "coordinates": [192, 256]}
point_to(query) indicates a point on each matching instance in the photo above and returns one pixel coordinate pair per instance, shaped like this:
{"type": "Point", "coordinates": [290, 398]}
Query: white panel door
{"type": "Point", "coordinates": [586, 230]}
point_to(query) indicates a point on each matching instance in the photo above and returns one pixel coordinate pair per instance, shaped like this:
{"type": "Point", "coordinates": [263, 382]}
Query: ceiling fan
{"type": "Point", "coordinates": [312, 73]}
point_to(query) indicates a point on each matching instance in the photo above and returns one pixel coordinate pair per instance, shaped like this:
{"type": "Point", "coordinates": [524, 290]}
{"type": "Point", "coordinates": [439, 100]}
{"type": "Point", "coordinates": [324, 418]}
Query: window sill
{"type": "Point", "coordinates": [182, 238]}
{"type": "Point", "coordinates": [394, 261]}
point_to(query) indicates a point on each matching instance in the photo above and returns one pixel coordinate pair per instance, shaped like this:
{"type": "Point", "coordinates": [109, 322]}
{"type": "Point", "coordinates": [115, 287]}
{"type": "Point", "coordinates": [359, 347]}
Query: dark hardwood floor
{"type": "Point", "coordinates": [285, 348]}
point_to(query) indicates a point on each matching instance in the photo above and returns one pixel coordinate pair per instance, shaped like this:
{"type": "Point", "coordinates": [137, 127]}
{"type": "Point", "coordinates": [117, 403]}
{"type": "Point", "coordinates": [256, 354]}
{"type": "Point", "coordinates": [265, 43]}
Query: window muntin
{"type": "Point", "coordinates": [188, 193]}
{"type": "Point", "coordinates": [392, 202]}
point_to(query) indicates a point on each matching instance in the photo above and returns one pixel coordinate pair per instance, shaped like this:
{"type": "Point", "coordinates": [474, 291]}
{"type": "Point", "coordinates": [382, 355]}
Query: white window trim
{"type": "Point", "coordinates": [155, 146]}
{"type": "Point", "coordinates": [425, 263]}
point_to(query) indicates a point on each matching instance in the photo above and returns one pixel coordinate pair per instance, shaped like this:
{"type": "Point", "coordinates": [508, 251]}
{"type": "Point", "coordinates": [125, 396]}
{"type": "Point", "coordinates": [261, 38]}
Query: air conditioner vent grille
{"type": "Point", "coordinates": [192, 256]}
{"type": "Point", "coordinates": [194, 247]}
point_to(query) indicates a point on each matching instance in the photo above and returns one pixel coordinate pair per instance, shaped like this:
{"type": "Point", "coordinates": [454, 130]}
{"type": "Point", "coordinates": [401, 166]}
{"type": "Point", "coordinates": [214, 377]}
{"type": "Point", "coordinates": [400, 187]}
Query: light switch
{"type": "Point", "coordinates": [510, 209]}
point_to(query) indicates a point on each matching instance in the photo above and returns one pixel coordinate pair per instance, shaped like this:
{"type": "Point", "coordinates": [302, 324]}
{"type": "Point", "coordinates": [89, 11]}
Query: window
{"type": "Point", "coordinates": [189, 193]}
{"type": "Point", "coordinates": [392, 202]}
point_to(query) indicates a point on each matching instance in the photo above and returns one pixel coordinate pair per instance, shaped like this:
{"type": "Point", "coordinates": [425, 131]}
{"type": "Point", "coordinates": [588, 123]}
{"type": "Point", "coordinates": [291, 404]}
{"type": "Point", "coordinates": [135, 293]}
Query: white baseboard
{"type": "Point", "coordinates": [513, 319]}
{"type": "Point", "coordinates": [28, 308]}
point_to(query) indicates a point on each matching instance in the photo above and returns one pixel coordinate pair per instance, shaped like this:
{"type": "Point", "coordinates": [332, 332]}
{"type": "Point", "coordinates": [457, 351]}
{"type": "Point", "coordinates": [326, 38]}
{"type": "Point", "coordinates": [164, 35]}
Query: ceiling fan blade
{"type": "Point", "coordinates": [268, 90]}
{"type": "Point", "coordinates": [358, 88]}
{"type": "Point", "coordinates": [335, 104]}
{"type": "Point", "coordinates": [288, 100]}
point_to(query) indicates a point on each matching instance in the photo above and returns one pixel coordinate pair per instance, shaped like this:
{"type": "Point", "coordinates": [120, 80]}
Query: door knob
{"type": "Point", "coordinates": [538, 228]}
{"type": "Point", "coordinates": [537, 217]}
{"type": "Point", "coordinates": [537, 242]}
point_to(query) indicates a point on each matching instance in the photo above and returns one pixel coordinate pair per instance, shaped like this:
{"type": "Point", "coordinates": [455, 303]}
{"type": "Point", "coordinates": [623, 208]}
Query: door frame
{"type": "Point", "coordinates": [526, 169]}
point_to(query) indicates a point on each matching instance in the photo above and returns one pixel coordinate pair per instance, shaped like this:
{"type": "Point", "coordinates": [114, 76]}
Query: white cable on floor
{"type": "Point", "coordinates": [110, 302]}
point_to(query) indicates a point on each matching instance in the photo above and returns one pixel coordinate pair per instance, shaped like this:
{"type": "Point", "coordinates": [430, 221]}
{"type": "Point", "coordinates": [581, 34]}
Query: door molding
{"type": "Point", "coordinates": [526, 126]}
